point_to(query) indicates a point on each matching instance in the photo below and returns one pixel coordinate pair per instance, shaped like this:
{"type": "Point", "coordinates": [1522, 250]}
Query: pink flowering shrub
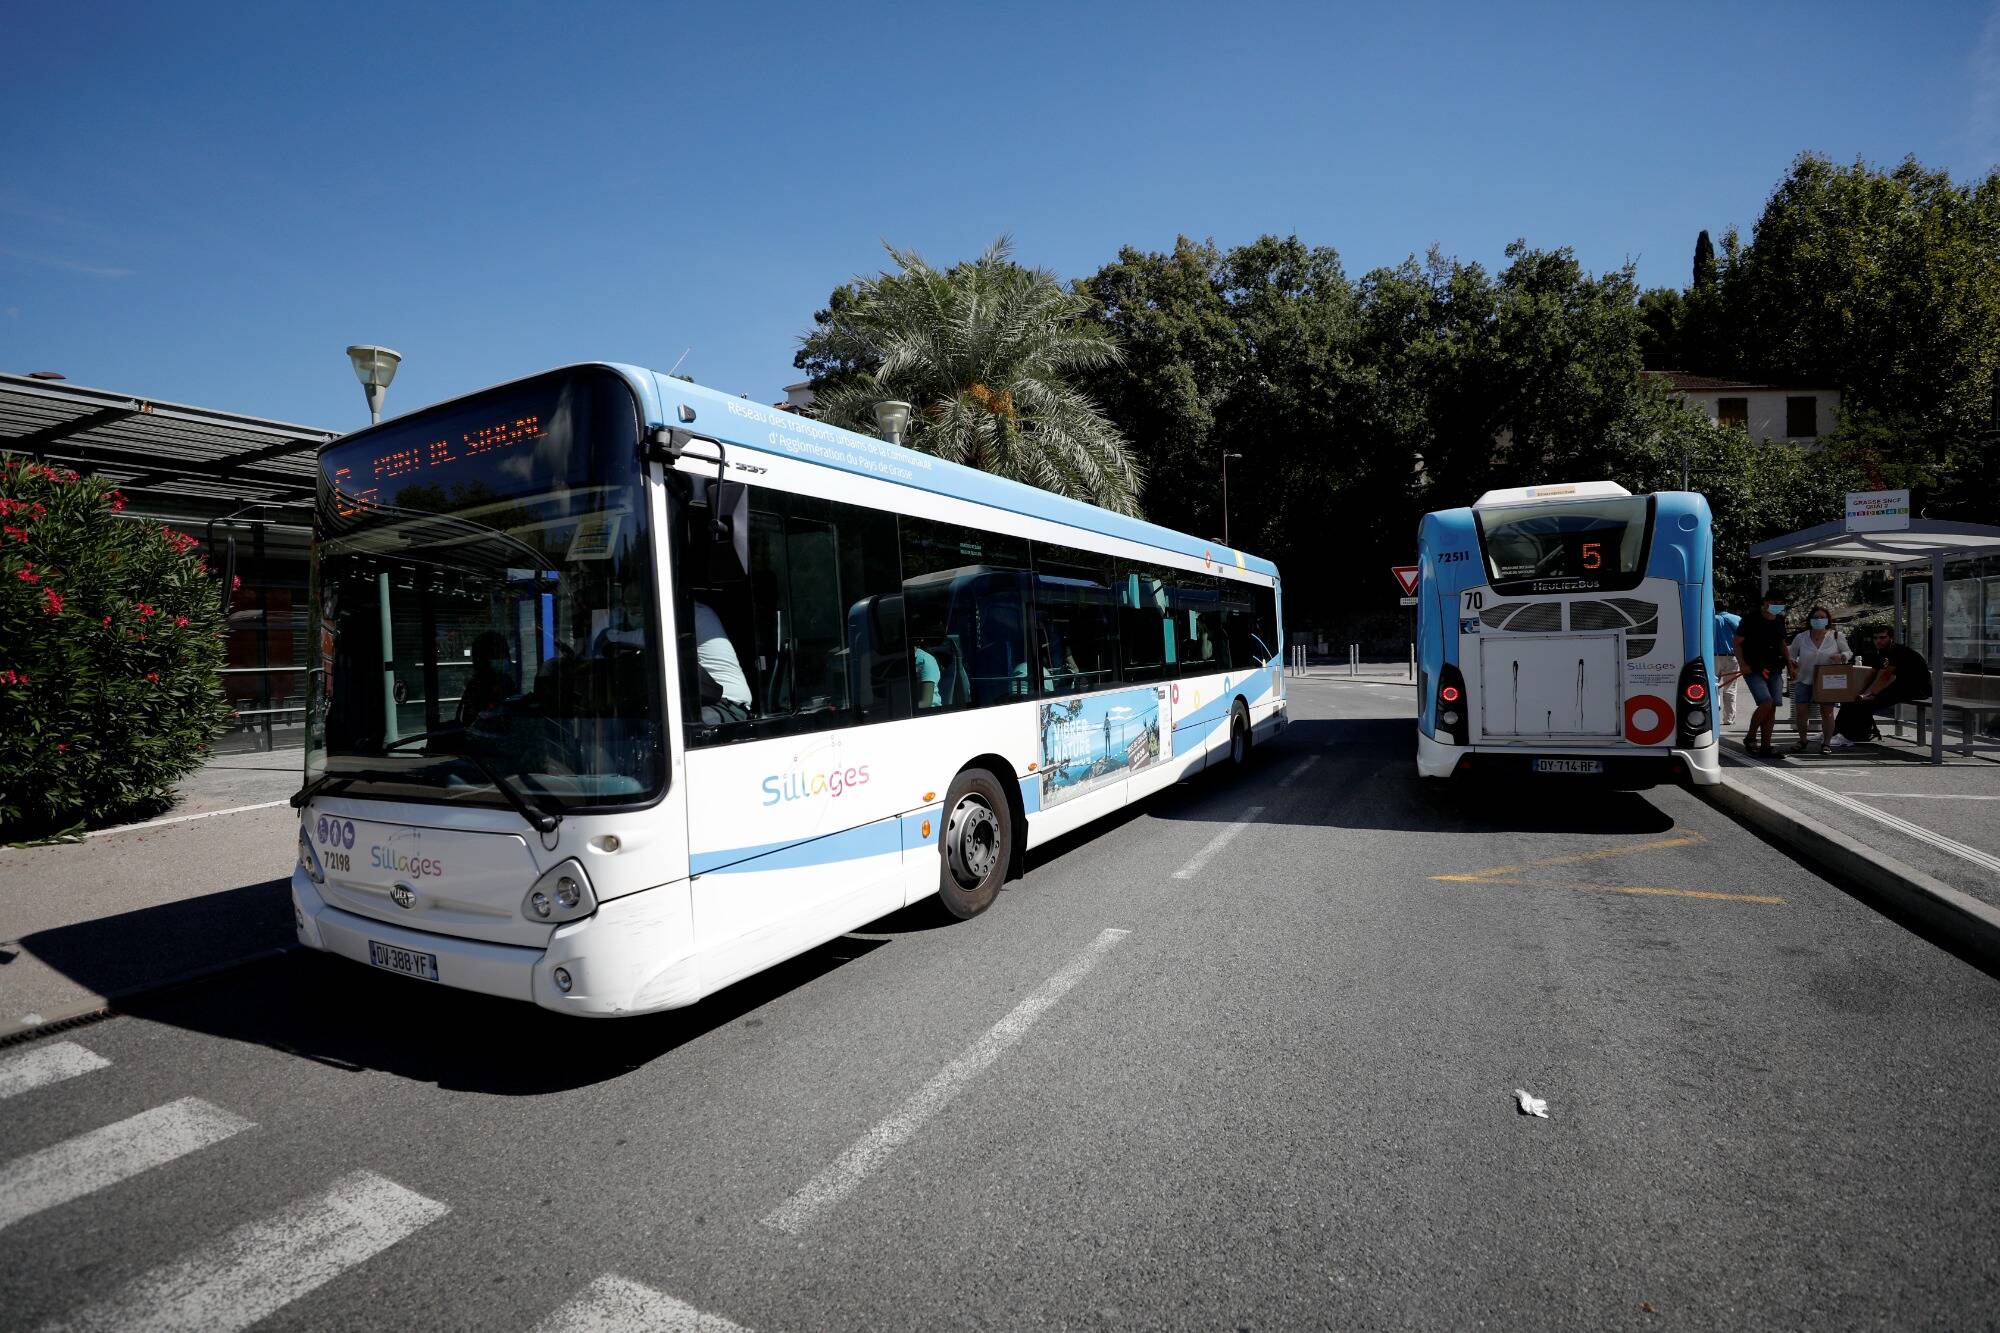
{"type": "Point", "coordinates": [111, 634]}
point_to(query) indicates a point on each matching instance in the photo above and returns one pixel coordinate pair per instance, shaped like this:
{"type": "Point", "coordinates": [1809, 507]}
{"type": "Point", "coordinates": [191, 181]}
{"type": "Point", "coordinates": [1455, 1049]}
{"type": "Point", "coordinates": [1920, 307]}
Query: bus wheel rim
{"type": "Point", "coordinates": [972, 841]}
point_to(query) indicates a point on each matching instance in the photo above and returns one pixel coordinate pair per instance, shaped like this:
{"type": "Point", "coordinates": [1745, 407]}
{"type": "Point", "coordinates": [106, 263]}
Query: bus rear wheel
{"type": "Point", "coordinates": [976, 844]}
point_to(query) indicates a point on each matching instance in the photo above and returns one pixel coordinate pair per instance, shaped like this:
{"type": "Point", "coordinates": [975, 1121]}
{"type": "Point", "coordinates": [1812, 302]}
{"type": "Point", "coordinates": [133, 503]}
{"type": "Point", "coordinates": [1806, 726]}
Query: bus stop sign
{"type": "Point", "coordinates": [1406, 578]}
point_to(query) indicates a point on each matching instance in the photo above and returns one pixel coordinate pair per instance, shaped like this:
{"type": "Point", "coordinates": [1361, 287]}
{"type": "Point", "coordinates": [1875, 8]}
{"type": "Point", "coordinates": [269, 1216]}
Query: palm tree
{"type": "Point", "coordinates": [983, 352]}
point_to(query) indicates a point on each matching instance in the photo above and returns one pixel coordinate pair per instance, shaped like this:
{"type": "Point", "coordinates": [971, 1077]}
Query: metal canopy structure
{"type": "Point", "coordinates": [1922, 550]}
{"type": "Point", "coordinates": [167, 449]}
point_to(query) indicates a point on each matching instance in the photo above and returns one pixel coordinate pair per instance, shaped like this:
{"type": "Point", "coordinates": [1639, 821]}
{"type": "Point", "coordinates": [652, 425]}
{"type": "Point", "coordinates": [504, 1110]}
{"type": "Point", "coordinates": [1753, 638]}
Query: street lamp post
{"type": "Point", "coordinates": [374, 367]}
{"type": "Point", "coordinates": [892, 418]}
{"type": "Point", "coordinates": [1226, 456]}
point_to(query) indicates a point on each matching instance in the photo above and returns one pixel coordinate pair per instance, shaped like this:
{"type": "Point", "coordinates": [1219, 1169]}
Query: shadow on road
{"type": "Point", "coordinates": [1366, 778]}
{"type": "Point", "coordinates": [341, 1014]}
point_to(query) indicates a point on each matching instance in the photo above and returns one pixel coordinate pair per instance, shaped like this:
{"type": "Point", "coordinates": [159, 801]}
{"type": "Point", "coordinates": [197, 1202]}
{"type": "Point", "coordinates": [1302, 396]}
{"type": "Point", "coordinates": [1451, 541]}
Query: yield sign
{"type": "Point", "coordinates": [1406, 577]}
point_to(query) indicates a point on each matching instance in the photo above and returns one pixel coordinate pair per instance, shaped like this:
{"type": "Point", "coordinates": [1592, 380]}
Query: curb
{"type": "Point", "coordinates": [1958, 917]}
{"type": "Point", "coordinates": [91, 1010]}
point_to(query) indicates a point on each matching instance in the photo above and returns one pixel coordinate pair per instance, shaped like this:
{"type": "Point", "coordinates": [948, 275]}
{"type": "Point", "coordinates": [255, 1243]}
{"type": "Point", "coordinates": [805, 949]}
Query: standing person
{"type": "Point", "coordinates": [1727, 671]}
{"type": "Point", "coordinates": [1901, 676]}
{"type": "Point", "coordinates": [1818, 645]}
{"type": "Point", "coordinates": [1760, 649]}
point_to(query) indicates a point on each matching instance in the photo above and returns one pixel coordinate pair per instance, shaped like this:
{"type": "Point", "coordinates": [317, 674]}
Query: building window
{"type": "Point", "coordinates": [1732, 412]}
{"type": "Point", "coordinates": [1802, 418]}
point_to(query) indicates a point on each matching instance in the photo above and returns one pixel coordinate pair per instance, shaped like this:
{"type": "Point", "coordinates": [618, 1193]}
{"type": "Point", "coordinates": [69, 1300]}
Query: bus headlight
{"type": "Point", "coordinates": [309, 859]}
{"type": "Point", "coordinates": [561, 894]}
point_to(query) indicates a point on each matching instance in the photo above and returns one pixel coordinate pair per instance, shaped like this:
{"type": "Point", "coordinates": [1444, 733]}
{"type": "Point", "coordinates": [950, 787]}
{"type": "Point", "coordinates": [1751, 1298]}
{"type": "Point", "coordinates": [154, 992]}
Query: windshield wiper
{"type": "Point", "coordinates": [544, 819]}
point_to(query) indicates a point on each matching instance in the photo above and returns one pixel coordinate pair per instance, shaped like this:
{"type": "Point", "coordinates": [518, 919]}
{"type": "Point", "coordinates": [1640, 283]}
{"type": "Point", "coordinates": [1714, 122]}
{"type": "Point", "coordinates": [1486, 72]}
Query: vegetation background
{"type": "Point", "coordinates": [1356, 404]}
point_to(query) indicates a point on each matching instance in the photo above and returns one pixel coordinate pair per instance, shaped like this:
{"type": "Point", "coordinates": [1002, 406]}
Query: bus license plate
{"type": "Point", "coordinates": [407, 961]}
{"type": "Point", "coordinates": [1569, 765]}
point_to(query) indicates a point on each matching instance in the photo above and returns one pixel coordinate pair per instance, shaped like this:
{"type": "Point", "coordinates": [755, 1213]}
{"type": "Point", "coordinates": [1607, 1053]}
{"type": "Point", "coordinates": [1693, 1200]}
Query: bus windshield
{"type": "Point", "coordinates": [484, 628]}
{"type": "Point", "coordinates": [1575, 546]}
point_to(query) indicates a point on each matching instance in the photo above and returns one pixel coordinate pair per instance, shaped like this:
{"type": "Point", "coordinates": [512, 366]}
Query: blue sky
{"type": "Point", "coordinates": [207, 203]}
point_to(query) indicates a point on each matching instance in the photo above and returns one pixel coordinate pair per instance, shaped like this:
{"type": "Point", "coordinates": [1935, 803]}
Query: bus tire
{"type": "Point", "coordinates": [1239, 736]}
{"type": "Point", "coordinates": [975, 843]}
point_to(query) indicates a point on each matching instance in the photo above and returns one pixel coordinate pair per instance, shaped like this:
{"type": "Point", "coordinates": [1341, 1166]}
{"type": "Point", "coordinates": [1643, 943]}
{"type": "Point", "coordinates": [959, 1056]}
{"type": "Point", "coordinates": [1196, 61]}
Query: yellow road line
{"type": "Point", "coordinates": [1685, 840]}
{"type": "Point", "coordinates": [1708, 895]}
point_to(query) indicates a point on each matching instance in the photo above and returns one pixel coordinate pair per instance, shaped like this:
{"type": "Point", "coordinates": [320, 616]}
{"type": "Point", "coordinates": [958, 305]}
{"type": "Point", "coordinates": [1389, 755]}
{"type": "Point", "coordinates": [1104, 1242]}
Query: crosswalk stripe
{"type": "Point", "coordinates": [614, 1304]}
{"type": "Point", "coordinates": [263, 1266]}
{"type": "Point", "coordinates": [76, 1167]}
{"type": "Point", "coordinates": [44, 1065]}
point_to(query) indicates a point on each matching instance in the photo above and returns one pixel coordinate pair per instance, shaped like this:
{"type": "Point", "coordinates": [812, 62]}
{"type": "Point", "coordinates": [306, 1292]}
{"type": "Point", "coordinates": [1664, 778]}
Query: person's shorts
{"type": "Point", "coordinates": [1802, 692]}
{"type": "Point", "coordinates": [1763, 689]}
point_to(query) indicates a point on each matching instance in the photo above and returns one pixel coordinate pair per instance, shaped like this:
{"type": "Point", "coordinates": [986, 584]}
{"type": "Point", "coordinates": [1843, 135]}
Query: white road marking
{"type": "Point", "coordinates": [869, 1151]}
{"type": "Point", "coordinates": [1921, 834]}
{"type": "Point", "coordinates": [182, 819]}
{"type": "Point", "coordinates": [1301, 767]}
{"type": "Point", "coordinates": [614, 1304]}
{"type": "Point", "coordinates": [1918, 796]}
{"type": "Point", "coordinates": [1218, 842]}
{"type": "Point", "coordinates": [44, 1065]}
{"type": "Point", "coordinates": [76, 1167]}
{"type": "Point", "coordinates": [263, 1266]}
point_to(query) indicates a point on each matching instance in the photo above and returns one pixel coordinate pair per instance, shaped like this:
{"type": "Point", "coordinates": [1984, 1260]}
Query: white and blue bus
{"type": "Point", "coordinates": [1566, 630]}
{"type": "Point", "coordinates": [625, 688]}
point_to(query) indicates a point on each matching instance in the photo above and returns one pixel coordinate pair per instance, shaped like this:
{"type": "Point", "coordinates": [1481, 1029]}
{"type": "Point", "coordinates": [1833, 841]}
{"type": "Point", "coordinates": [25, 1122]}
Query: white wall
{"type": "Point", "coordinates": [1767, 409]}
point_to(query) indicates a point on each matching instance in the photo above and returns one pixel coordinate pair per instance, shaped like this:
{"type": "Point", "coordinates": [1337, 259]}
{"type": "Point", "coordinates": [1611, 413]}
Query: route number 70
{"type": "Point", "coordinates": [1474, 600]}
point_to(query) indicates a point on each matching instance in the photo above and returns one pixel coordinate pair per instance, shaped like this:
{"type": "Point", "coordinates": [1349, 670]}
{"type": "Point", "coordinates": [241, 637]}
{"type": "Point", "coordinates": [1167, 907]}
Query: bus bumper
{"type": "Point", "coordinates": [630, 957]}
{"type": "Point", "coordinates": [1700, 766]}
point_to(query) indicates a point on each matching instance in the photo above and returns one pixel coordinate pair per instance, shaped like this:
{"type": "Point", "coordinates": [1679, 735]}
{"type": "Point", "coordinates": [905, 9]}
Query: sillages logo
{"type": "Point", "coordinates": [412, 867]}
{"type": "Point", "coordinates": [798, 785]}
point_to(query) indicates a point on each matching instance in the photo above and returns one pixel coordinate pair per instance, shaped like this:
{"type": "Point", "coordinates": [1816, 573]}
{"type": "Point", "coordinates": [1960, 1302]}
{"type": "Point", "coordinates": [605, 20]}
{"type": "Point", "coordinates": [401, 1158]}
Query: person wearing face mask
{"type": "Point", "coordinates": [1760, 651]}
{"type": "Point", "coordinates": [1818, 645]}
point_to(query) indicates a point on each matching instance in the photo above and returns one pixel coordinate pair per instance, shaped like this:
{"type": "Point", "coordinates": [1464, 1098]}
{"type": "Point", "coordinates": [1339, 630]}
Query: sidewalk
{"type": "Point", "coordinates": [146, 904]}
{"type": "Point", "coordinates": [1922, 839]}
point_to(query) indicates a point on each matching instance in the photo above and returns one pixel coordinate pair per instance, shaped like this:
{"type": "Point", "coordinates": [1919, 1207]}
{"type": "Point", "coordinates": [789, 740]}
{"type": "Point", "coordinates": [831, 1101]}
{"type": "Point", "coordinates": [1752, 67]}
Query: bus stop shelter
{"type": "Point", "coordinates": [1920, 555]}
{"type": "Point", "coordinates": [243, 483]}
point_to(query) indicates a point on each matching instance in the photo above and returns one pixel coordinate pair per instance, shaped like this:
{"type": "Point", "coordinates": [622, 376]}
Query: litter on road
{"type": "Point", "coordinates": [1531, 1105]}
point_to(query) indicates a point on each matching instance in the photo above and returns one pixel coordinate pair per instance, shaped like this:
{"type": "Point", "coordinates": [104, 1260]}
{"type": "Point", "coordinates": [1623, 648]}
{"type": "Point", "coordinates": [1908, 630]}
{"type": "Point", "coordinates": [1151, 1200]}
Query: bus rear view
{"type": "Point", "coordinates": [1563, 631]}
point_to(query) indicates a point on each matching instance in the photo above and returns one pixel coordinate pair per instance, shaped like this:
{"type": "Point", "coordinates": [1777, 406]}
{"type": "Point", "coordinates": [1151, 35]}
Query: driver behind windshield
{"type": "Point", "coordinates": [492, 681]}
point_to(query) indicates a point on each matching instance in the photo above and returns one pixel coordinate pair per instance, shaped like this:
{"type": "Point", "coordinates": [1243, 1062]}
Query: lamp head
{"type": "Point", "coordinates": [374, 366]}
{"type": "Point", "coordinates": [892, 418]}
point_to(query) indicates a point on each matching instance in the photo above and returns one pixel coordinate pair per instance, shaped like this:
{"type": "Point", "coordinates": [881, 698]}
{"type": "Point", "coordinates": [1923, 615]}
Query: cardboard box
{"type": "Point", "coordinates": [1840, 684]}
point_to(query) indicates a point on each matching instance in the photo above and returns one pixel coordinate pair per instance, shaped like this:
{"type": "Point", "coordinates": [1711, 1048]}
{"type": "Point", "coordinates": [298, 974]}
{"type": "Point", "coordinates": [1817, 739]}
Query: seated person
{"type": "Point", "coordinates": [725, 691]}
{"type": "Point", "coordinates": [492, 681]}
{"type": "Point", "coordinates": [1901, 676]}
{"type": "Point", "coordinates": [928, 676]}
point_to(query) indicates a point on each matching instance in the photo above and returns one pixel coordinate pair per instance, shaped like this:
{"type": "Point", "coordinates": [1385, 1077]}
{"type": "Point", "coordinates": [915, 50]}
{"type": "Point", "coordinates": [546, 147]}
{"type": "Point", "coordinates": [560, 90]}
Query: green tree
{"type": "Point", "coordinates": [989, 354]}
{"type": "Point", "coordinates": [1885, 285]}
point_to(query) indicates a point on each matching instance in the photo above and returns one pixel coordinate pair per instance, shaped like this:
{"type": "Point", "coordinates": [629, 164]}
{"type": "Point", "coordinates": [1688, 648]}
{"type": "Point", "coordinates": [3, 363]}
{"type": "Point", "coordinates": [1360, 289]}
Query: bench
{"type": "Point", "coordinates": [1975, 697]}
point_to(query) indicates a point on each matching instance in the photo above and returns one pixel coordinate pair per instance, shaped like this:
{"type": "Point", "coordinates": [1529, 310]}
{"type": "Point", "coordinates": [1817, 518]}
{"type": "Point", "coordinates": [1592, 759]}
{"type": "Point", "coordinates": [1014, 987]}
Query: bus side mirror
{"type": "Point", "coordinates": [729, 508]}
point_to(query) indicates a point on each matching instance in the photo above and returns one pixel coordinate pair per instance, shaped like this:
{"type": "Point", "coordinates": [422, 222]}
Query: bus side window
{"type": "Point", "coordinates": [965, 604]}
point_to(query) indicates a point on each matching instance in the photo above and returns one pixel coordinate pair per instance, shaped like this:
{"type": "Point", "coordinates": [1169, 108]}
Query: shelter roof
{"type": "Point", "coordinates": [1915, 544]}
{"type": "Point", "coordinates": [167, 448]}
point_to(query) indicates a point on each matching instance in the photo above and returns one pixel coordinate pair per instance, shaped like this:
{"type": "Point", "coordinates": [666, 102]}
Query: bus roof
{"type": "Point", "coordinates": [1572, 490]}
{"type": "Point", "coordinates": [739, 421]}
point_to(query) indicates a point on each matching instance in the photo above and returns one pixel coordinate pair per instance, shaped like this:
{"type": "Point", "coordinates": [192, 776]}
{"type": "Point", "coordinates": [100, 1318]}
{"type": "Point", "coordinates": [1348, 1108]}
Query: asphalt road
{"type": "Point", "coordinates": [1282, 1097]}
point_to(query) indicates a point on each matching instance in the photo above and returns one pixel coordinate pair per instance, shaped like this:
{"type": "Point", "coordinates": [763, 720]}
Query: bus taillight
{"type": "Point", "coordinates": [1696, 691]}
{"type": "Point", "coordinates": [1452, 724]}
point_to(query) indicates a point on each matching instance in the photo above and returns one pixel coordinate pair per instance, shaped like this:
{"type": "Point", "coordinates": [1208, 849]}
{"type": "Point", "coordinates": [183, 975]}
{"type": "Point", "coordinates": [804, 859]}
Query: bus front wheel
{"type": "Point", "coordinates": [1239, 735]}
{"type": "Point", "coordinates": [976, 844]}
